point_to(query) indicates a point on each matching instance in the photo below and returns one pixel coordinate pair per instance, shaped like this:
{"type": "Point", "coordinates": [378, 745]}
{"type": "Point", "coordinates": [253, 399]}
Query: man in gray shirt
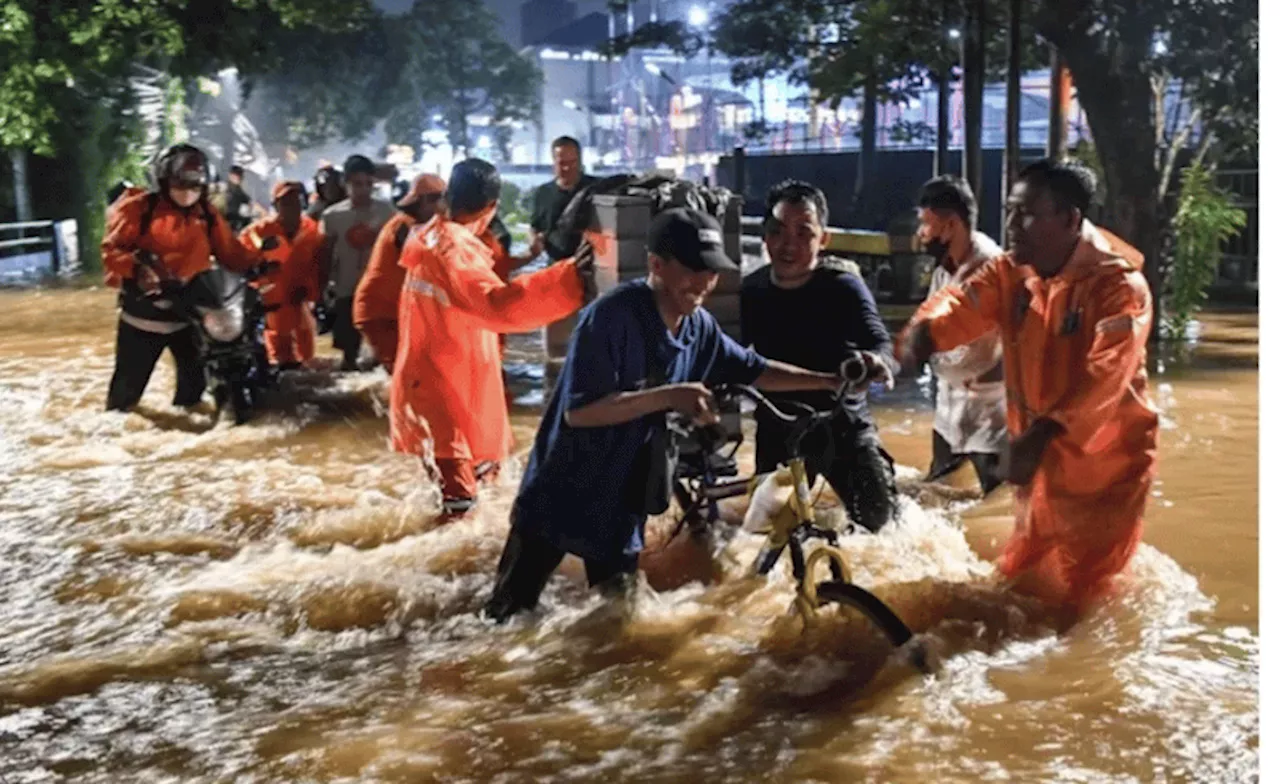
{"type": "Point", "coordinates": [350, 228]}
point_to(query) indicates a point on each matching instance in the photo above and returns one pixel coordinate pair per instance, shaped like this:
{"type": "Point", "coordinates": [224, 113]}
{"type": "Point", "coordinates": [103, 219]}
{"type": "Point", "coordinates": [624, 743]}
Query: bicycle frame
{"type": "Point", "coordinates": [792, 526]}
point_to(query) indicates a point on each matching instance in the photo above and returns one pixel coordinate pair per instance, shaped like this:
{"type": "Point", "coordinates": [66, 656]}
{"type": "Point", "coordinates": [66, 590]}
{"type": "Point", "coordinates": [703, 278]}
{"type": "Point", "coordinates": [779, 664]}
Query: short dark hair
{"type": "Point", "coordinates": [473, 185]}
{"type": "Point", "coordinates": [1070, 183]}
{"type": "Point", "coordinates": [797, 192]}
{"type": "Point", "coordinates": [567, 141]}
{"type": "Point", "coordinates": [950, 193]}
{"type": "Point", "coordinates": [358, 164]}
{"type": "Point", "coordinates": [236, 170]}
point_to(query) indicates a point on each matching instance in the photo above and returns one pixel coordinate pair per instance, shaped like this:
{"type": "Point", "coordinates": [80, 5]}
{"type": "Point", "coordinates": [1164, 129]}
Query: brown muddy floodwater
{"type": "Point", "coordinates": [190, 602]}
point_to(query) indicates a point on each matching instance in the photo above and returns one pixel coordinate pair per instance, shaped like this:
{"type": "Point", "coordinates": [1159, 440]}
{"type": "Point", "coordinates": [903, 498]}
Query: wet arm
{"type": "Point", "coordinates": [121, 240]}
{"type": "Point", "coordinates": [529, 302]}
{"type": "Point", "coordinates": [229, 251]}
{"type": "Point", "coordinates": [863, 328]}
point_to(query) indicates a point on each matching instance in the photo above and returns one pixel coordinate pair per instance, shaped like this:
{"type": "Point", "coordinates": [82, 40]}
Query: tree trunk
{"type": "Point", "coordinates": [941, 152]}
{"type": "Point", "coordinates": [21, 188]}
{"type": "Point", "coordinates": [867, 155]}
{"type": "Point", "coordinates": [974, 88]}
{"type": "Point", "coordinates": [1116, 96]}
{"type": "Point", "coordinates": [1013, 107]}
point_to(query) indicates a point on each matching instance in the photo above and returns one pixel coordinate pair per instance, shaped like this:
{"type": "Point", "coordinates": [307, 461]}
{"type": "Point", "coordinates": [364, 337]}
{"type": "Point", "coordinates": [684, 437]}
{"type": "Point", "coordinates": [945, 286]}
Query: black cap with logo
{"type": "Point", "coordinates": [692, 238]}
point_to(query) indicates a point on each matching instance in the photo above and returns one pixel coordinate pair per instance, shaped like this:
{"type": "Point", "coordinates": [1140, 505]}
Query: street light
{"type": "Point", "coordinates": [568, 104]}
{"type": "Point", "coordinates": [954, 34]}
{"type": "Point", "coordinates": [698, 16]}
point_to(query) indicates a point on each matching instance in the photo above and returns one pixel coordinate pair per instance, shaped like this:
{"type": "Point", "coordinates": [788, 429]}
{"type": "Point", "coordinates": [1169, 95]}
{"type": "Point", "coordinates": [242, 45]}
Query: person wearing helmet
{"type": "Point", "coordinates": [447, 398]}
{"type": "Point", "coordinates": [290, 333]}
{"type": "Point", "coordinates": [376, 308]}
{"type": "Point", "coordinates": [155, 242]}
{"type": "Point", "coordinates": [329, 191]}
{"type": "Point", "coordinates": [350, 228]}
{"type": "Point", "coordinates": [239, 206]}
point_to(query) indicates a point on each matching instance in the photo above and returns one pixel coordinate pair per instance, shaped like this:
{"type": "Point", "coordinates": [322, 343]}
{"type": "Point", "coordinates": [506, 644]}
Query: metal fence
{"type": "Point", "coordinates": [34, 251]}
{"type": "Point", "coordinates": [1239, 268]}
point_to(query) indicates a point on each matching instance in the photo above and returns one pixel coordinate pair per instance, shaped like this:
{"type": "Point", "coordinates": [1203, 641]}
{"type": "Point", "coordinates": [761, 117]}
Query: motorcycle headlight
{"type": "Point", "coordinates": [224, 324]}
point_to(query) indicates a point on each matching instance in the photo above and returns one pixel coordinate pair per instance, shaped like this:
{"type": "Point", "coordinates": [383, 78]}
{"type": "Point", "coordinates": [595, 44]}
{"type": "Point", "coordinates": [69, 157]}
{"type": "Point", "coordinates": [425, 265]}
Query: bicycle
{"type": "Point", "coordinates": [700, 486]}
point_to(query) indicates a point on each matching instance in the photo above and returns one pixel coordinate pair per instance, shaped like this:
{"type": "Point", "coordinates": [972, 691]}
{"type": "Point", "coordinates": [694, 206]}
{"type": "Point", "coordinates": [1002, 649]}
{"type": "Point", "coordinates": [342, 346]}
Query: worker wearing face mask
{"type": "Point", "coordinates": [155, 243]}
{"type": "Point", "coordinates": [969, 410]}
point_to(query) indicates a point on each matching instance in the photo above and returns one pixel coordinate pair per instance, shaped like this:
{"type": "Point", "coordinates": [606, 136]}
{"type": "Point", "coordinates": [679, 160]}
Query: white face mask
{"type": "Point", "coordinates": [184, 198]}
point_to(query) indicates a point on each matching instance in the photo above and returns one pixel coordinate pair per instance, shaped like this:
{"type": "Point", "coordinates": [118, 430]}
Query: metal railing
{"type": "Point", "coordinates": [31, 251]}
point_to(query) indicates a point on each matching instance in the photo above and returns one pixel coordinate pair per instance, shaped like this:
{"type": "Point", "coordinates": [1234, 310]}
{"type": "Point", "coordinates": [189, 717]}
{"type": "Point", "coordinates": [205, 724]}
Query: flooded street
{"type": "Point", "coordinates": [189, 602]}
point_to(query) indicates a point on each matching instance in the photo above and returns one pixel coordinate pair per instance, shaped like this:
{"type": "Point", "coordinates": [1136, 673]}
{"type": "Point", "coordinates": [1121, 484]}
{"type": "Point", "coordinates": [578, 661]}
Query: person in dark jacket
{"type": "Point", "coordinates": [645, 348]}
{"type": "Point", "coordinates": [816, 315]}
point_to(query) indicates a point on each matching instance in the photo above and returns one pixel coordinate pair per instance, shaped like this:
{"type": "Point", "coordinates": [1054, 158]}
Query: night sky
{"type": "Point", "coordinates": [507, 10]}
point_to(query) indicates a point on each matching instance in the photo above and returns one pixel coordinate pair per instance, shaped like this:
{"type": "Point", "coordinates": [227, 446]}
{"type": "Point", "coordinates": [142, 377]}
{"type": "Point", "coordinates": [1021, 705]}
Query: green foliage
{"type": "Point", "coordinates": [514, 205]}
{"type": "Point", "coordinates": [1206, 218]}
{"type": "Point", "coordinates": [458, 65]}
{"type": "Point", "coordinates": [333, 86]}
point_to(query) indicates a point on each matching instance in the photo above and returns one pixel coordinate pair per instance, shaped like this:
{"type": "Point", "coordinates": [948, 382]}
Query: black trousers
{"type": "Point", "coordinates": [990, 475]}
{"type": "Point", "coordinates": [346, 338]}
{"type": "Point", "coordinates": [137, 352]}
{"type": "Point", "coordinates": [859, 470]}
{"type": "Point", "coordinates": [527, 563]}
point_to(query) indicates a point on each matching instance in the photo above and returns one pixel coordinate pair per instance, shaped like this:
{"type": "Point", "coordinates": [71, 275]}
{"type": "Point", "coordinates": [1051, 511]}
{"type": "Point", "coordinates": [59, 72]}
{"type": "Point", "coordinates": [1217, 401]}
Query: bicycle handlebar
{"type": "Point", "coordinates": [746, 390]}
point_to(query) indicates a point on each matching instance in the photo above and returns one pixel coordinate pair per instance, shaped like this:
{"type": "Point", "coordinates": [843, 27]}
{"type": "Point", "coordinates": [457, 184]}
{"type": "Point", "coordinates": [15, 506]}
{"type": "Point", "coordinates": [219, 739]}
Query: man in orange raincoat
{"type": "Point", "coordinates": [376, 308]}
{"type": "Point", "coordinates": [1074, 314]}
{"type": "Point", "coordinates": [155, 243]}
{"type": "Point", "coordinates": [446, 391]}
{"type": "Point", "coordinates": [294, 241]}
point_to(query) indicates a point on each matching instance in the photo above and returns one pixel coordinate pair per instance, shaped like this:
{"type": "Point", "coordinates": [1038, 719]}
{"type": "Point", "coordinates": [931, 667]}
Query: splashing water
{"type": "Point", "coordinates": [190, 601]}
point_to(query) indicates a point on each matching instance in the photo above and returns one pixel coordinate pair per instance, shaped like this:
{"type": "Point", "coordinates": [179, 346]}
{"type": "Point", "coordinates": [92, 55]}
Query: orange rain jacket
{"type": "Point", "coordinates": [179, 238]}
{"type": "Point", "coordinates": [447, 386]}
{"type": "Point", "coordinates": [376, 306]}
{"type": "Point", "coordinates": [1075, 352]}
{"type": "Point", "coordinates": [290, 330]}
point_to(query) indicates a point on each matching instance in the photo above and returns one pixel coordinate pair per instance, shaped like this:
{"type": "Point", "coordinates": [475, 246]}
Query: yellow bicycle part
{"type": "Point", "coordinates": [807, 595]}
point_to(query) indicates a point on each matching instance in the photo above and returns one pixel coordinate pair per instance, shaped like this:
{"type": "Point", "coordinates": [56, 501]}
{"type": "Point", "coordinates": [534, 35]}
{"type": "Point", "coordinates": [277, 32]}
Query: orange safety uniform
{"type": "Point", "coordinates": [1075, 353]}
{"type": "Point", "coordinates": [447, 385]}
{"type": "Point", "coordinates": [290, 333]}
{"type": "Point", "coordinates": [179, 238]}
{"type": "Point", "coordinates": [375, 309]}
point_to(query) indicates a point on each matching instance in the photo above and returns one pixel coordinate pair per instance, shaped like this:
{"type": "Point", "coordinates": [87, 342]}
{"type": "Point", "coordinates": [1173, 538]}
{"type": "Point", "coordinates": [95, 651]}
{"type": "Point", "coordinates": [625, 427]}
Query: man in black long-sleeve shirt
{"type": "Point", "coordinates": [815, 315]}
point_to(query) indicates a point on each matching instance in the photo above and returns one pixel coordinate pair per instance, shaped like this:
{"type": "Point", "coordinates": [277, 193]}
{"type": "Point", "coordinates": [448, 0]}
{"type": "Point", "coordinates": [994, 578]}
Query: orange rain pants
{"type": "Point", "coordinates": [1075, 352]}
{"type": "Point", "coordinates": [290, 333]}
{"type": "Point", "coordinates": [376, 307]}
{"type": "Point", "coordinates": [446, 391]}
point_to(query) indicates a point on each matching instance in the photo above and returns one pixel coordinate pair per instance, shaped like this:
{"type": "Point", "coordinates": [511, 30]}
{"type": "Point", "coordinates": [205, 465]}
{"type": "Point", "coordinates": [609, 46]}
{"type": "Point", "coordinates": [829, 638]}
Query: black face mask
{"type": "Point", "coordinates": [937, 249]}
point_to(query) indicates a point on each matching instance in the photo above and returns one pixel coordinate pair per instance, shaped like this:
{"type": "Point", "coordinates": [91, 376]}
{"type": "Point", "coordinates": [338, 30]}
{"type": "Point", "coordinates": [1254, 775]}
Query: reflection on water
{"type": "Point", "coordinates": [189, 601]}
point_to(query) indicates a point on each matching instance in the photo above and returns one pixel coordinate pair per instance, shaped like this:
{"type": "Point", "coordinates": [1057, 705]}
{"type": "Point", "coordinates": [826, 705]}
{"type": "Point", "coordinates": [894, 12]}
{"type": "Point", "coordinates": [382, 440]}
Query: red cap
{"type": "Point", "coordinates": [286, 187]}
{"type": "Point", "coordinates": [423, 185]}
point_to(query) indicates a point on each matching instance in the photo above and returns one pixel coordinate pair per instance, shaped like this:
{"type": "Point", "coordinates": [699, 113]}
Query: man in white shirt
{"type": "Point", "coordinates": [350, 228]}
{"type": "Point", "coordinates": [969, 413]}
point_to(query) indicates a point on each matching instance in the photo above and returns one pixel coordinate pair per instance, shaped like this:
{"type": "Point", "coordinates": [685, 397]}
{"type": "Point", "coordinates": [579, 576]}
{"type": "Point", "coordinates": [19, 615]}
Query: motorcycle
{"type": "Point", "coordinates": [228, 316]}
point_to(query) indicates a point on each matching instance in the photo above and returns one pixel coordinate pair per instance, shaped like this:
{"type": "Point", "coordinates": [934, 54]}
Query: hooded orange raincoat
{"type": "Point", "coordinates": [1075, 352]}
{"type": "Point", "coordinates": [376, 307]}
{"type": "Point", "coordinates": [290, 333]}
{"type": "Point", "coordinates": [447, 386]}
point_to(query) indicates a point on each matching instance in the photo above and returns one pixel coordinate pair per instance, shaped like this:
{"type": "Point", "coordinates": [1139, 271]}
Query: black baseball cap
{"type": "Point", "coordinates": [692, 238]}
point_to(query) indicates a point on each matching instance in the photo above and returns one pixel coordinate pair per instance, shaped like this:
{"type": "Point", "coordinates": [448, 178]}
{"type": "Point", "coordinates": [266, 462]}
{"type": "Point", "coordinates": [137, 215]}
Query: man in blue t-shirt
{"type": "Point", "coordinates": [645, 348]}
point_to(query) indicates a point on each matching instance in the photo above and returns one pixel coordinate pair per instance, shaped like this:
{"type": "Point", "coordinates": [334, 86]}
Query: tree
{"type": "Point", "coordinates": [334, 85]}
{"type": "Point", "coordinates": [872, 51]}
{"type": "Point", "coordinates": [65, 59]}
{"type": "Point", "coordinates": [1115, 50]}
{"type": "Point", "coordinates": [458, 66]}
